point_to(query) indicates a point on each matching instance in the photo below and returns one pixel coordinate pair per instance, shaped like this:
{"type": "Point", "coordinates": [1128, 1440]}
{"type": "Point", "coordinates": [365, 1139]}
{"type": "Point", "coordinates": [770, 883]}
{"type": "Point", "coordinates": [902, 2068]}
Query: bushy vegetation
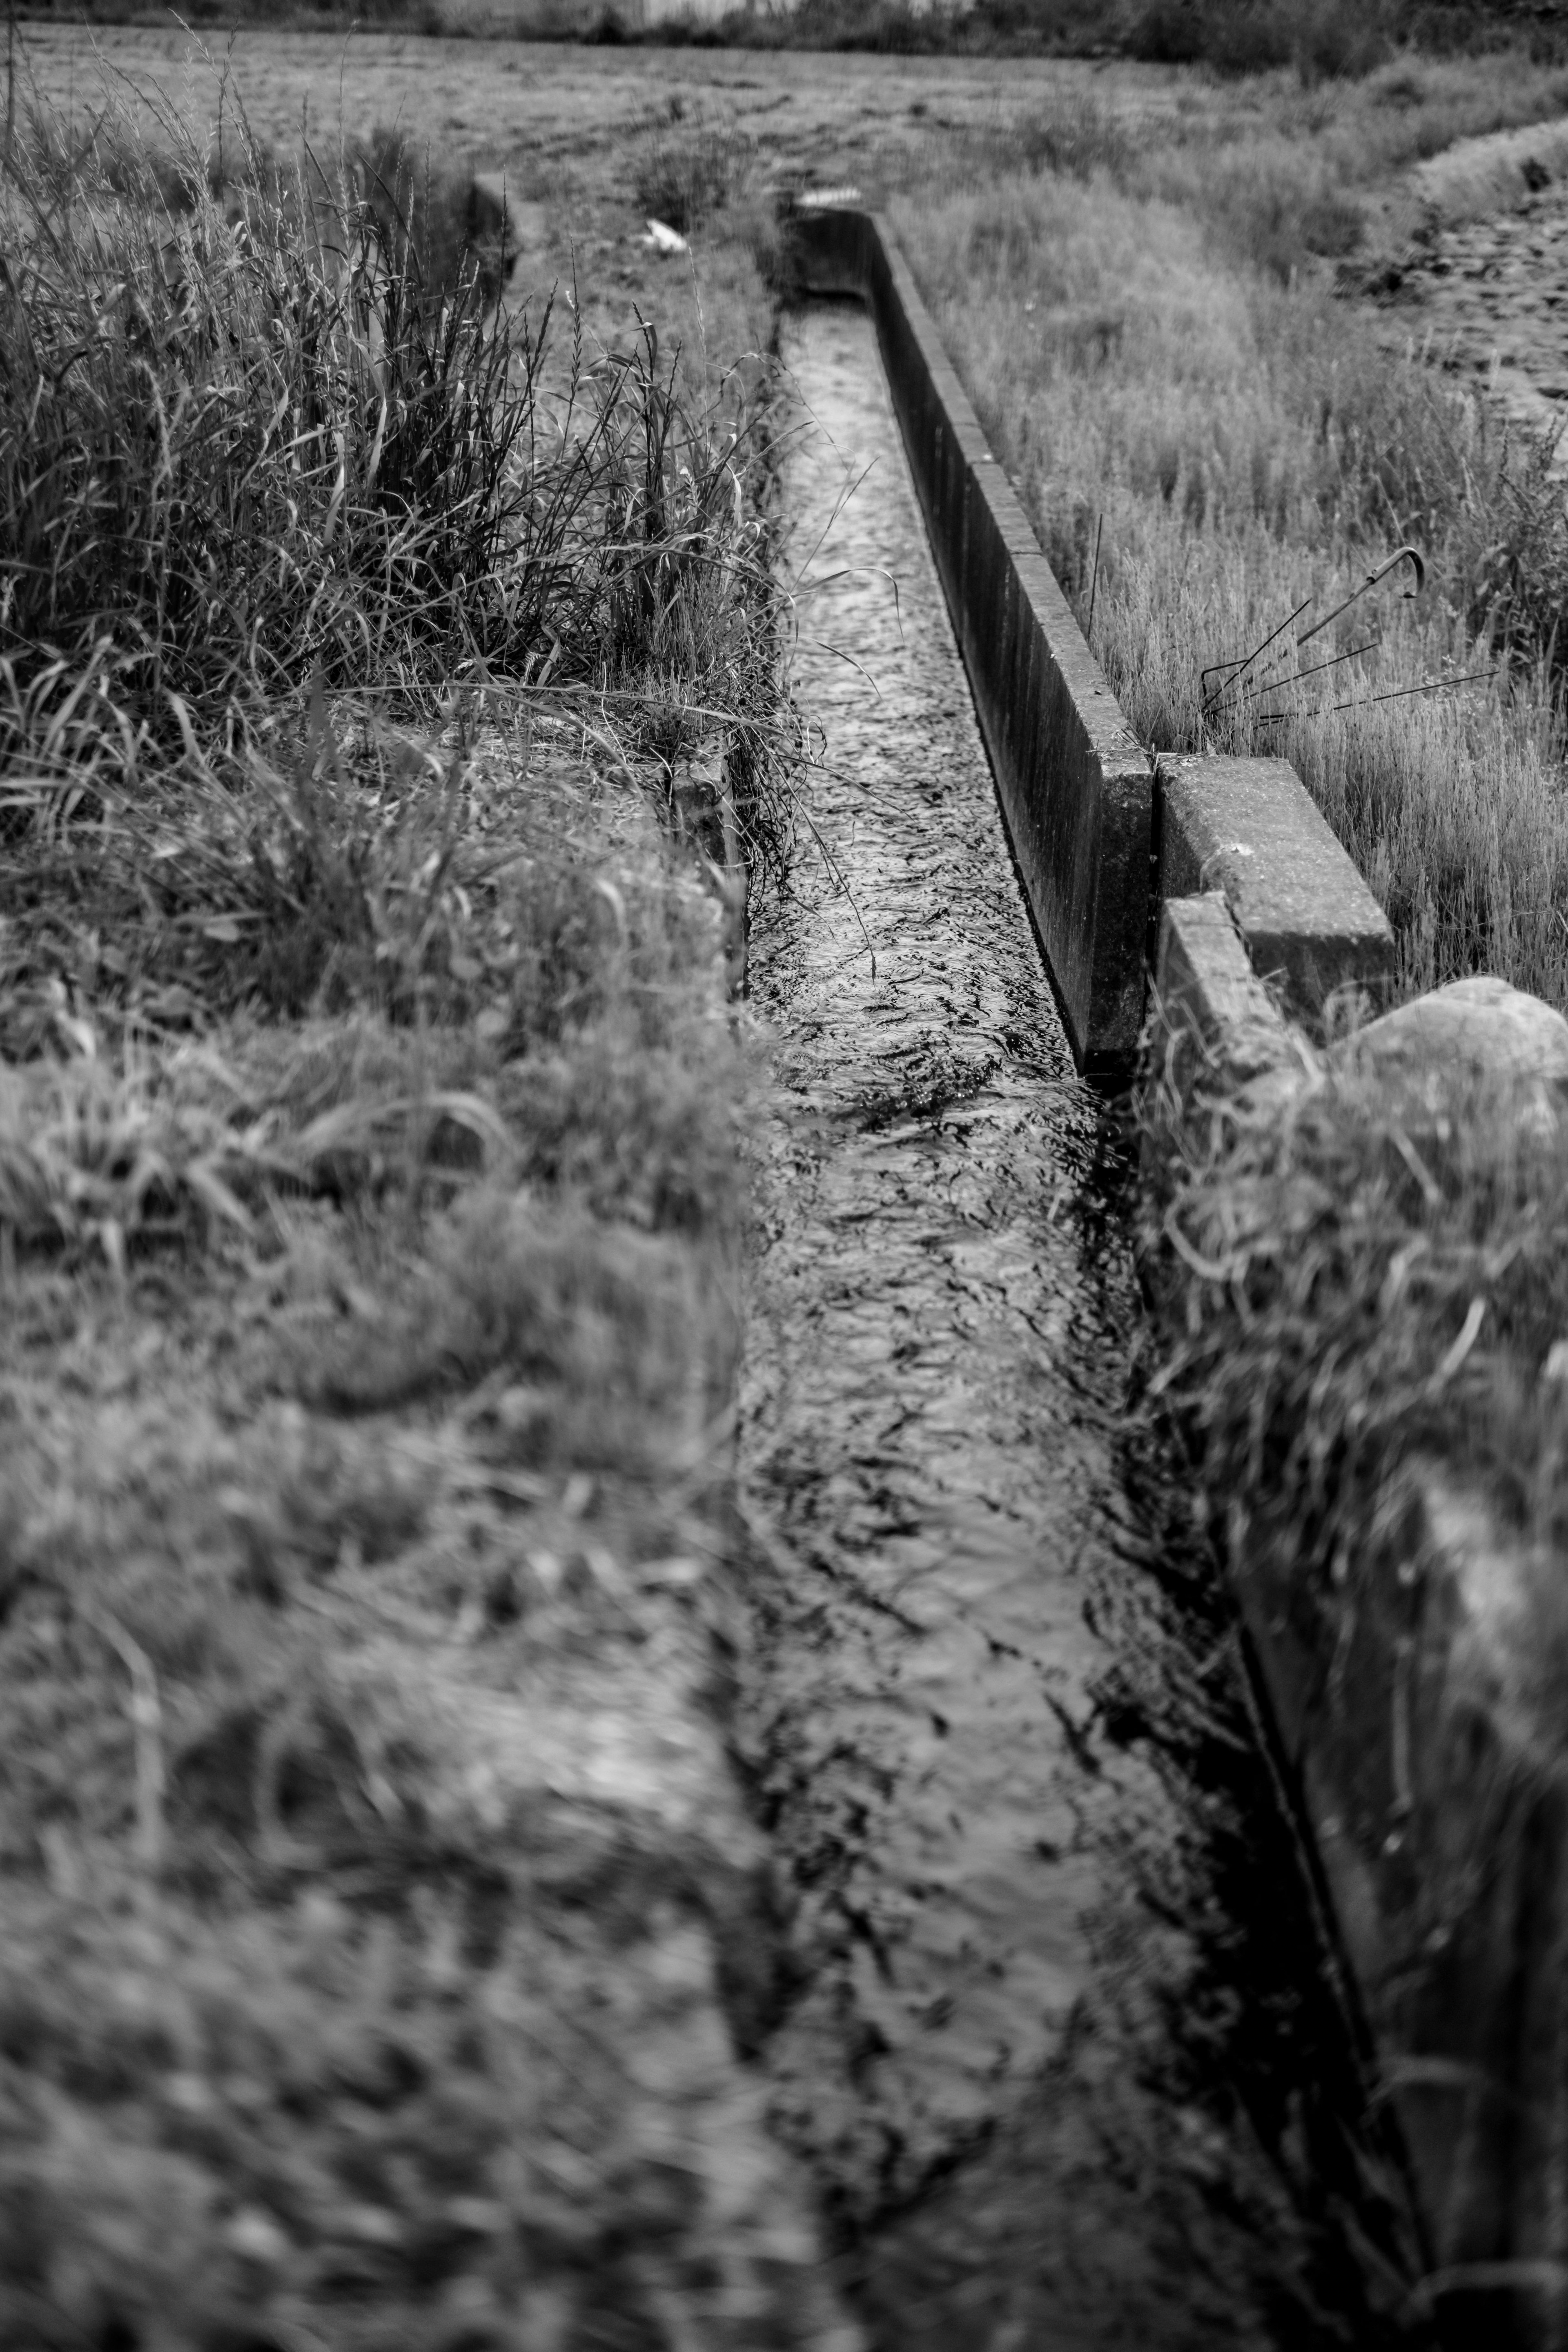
{"type": "Point", "coordinates": [390, 732]}
{"type": "Point", "coordinates": [690, 171]}
{"type": "Point", "coordinates": [276, 484]}
{"type": "Point", "coordinates": [247, 447]}
{"type": "Point", "coordinates": [1327, 1222]}
{"type": "Point", "coordinates": [1316, 39]}
{"type": "Point", "coordinates": [1329, 39]}
{"type": "Point", "coordinates": [1360, 1331]}
{"type": "Point", "coordinates": [1159, 357]}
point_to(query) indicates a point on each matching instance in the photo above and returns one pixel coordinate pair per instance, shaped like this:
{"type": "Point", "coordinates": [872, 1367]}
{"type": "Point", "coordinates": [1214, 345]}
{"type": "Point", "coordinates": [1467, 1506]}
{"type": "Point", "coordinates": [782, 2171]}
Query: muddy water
{"type": "Point", "coordinates": [1057, 2044]}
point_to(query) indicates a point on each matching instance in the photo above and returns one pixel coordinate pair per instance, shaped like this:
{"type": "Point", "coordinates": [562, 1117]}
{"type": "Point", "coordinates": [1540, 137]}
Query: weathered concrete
{"type": "Point", "coordinates": [1208, 1000]}
{"type": "Point", "coordinates": [1075, 785]}
{"type": "Point", "coordinates": [1250, 828]}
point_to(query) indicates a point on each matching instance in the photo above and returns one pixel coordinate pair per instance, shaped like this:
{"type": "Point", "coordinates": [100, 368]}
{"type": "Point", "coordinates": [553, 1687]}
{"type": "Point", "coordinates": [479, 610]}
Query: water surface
{"type": "Point", "coordinates": [1058, 2051]}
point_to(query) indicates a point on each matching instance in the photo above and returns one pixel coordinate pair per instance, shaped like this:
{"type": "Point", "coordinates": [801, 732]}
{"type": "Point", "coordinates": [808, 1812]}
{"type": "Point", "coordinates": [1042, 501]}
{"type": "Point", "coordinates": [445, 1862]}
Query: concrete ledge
{"type": "Point", "coordinates": [1251, 829]}
{"type": "Point", "coordinates": [1208, 1000]}
{"type": "Point", "coordinates": [1076, 786]}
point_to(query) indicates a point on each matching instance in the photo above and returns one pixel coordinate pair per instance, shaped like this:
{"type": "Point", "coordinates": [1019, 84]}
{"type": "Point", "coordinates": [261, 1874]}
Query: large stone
{"type": "Point", "coordinates": [1473, 1030]}
{"type": "Point", "coordinates": [1474, 1038]}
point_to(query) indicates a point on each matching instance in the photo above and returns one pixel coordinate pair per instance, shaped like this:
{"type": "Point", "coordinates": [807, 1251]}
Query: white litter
{"type": "Point", "coordinates": [662, 238]}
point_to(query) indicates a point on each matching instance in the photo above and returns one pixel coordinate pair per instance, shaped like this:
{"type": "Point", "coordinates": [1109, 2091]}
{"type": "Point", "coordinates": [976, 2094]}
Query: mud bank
{"type": "Point", "coordinates": [1062, 2046]}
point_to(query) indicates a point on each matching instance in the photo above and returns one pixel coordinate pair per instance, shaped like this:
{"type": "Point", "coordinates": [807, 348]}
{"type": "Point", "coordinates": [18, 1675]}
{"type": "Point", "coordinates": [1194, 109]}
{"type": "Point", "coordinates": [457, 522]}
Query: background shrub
{"type": "Point", "coordinates": [690, 172]}
{"type": "Point", "coordinates": [1334, 39]}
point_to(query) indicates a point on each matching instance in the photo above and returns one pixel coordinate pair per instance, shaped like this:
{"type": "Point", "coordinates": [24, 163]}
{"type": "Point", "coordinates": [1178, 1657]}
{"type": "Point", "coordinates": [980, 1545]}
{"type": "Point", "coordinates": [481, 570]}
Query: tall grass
{"type": "Point", "coordinates": [1238, 444]}
{"type": "Point", "coordinates": [237, 452]}
{"type": "Point", "coordinates": [275, 488]}
{"type": "Point", "coordinates": [1309, 1233]}
{"type": "Point", "coordinates": [388, 693]}
{"type": "Point", "coordinates": [690, 170]}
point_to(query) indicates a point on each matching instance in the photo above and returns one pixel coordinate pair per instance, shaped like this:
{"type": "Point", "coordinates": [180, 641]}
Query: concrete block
{"type": "Point", "coordinates": [1250, 828]}
{"type": "Point", "coordinates": [1208, 1000]}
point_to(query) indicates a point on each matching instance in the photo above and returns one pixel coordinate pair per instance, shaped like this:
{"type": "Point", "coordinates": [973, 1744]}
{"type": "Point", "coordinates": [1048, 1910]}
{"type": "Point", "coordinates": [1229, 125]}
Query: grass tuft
{"type": "Point", "coordinates": [1346, 1308]}
{"type": "Point", "coordinates": [690, 171]}
{"type": "Point", "coordinates": [240, 455]}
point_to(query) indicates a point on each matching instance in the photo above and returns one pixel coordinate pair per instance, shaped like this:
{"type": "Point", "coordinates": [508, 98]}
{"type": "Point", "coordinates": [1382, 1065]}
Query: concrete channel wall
{"type": "Point", "coordinates": [1229, 869]}
{"type": "Point", "coordinates": [1102, 834]}
{"type": "Point", "coordinates": [1076, 788]}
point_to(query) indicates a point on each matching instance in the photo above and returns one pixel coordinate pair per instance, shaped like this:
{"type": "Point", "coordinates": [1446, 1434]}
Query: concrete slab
{"type": "Point", "coordinates": [1251, 829]}
{"type": "Point", "coordinates": [1208, 1000]}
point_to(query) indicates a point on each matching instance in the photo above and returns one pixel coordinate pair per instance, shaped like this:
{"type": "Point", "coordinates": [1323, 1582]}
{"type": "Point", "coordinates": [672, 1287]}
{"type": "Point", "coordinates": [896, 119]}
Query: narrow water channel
{"type": "Point", "coordinates": [1059, 2045]}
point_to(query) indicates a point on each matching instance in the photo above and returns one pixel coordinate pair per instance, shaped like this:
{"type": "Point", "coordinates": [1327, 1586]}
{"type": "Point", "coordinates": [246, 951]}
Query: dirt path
{"type": "Point", "coordinates": [1488, 299]}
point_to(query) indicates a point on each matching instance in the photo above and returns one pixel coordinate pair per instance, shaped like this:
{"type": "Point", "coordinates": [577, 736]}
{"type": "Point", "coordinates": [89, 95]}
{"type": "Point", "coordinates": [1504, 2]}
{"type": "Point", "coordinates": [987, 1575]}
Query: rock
{"type": "Point", "coordinates": [1474, 1029]}
{"type": "Point", "coordinates": [1476, 1061]}
{"type": "Point", "coordinates": [1473, 1037]}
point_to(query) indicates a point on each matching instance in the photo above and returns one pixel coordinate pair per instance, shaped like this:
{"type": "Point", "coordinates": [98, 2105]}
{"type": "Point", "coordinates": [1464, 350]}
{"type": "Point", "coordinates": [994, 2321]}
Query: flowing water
{"type": "Point", "coordinates": [1060, 2047]}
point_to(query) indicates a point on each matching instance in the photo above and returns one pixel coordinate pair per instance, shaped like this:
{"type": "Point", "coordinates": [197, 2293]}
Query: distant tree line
{"type": "Point", "coordinates": [1323, 38]}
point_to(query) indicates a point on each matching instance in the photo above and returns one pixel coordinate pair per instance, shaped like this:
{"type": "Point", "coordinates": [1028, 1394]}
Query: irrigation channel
{"type": "Point", "coordinates": [1059, 2039]}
